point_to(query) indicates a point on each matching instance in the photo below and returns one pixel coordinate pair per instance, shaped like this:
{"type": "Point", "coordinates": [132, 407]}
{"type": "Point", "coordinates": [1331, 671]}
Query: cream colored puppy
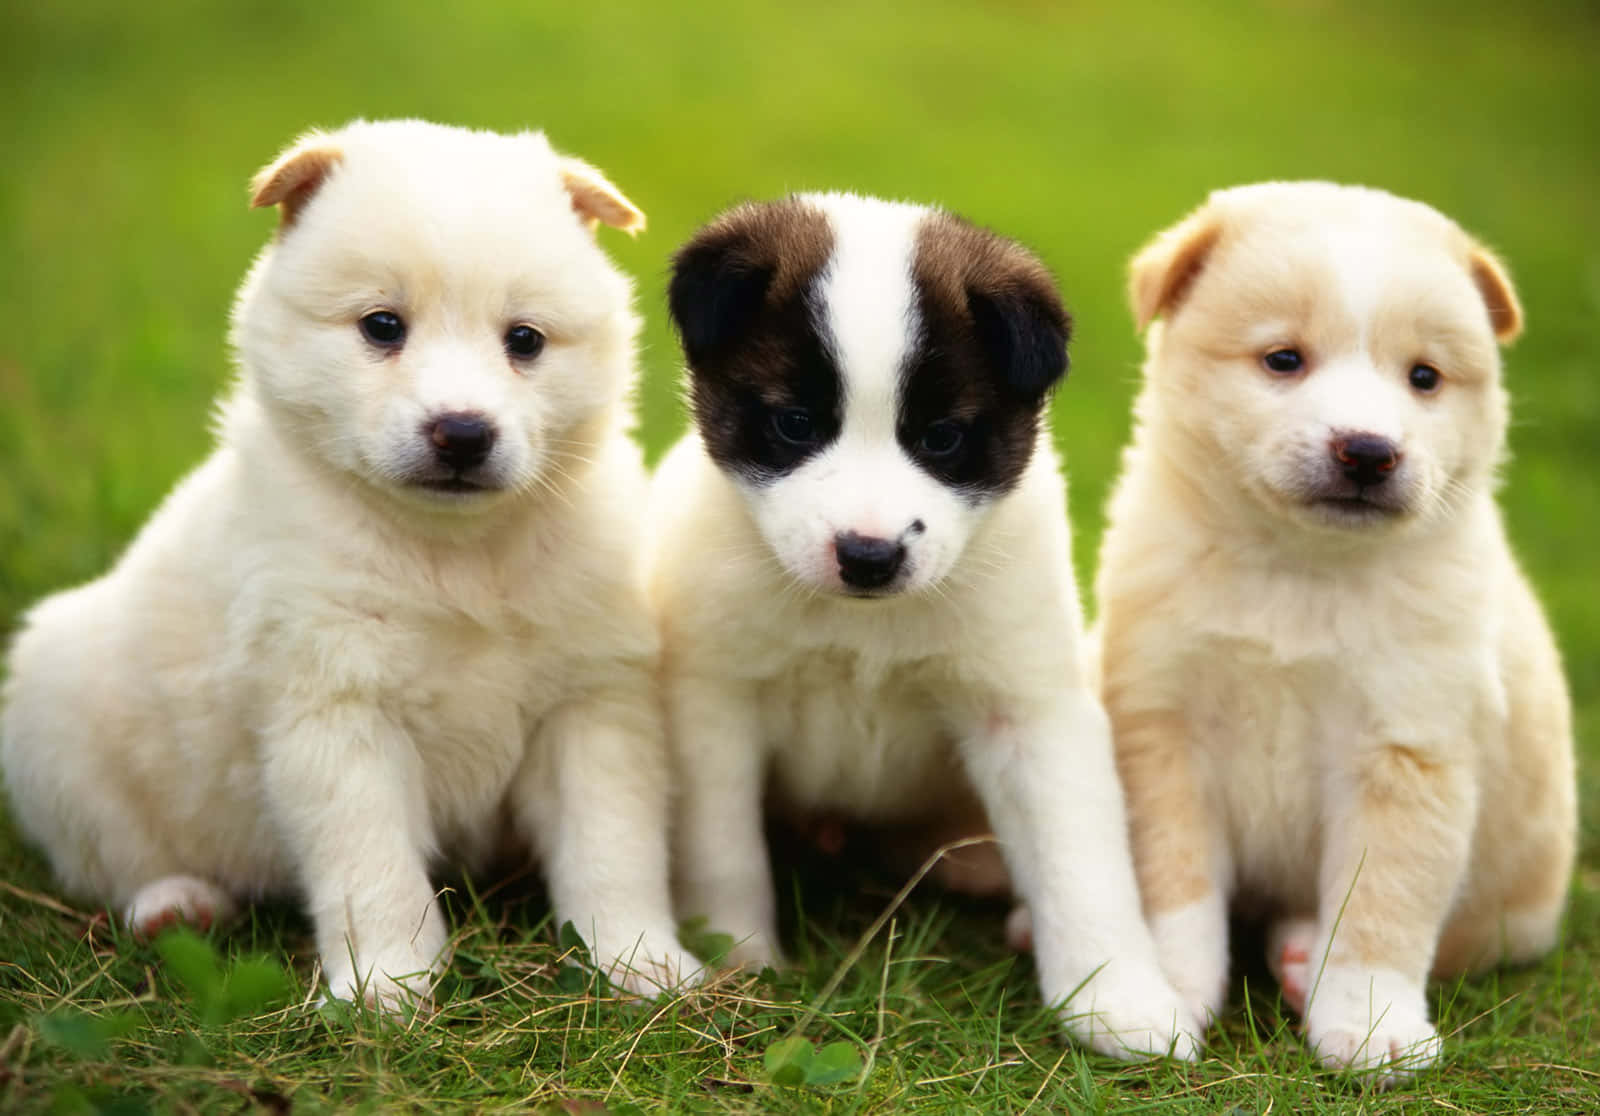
{"type": "Point", "coordinates": [864, 571]}
{"type": "Point", "coordinates": [1335, 699]}
{"type": "Point", "coordinates": [398, 608]}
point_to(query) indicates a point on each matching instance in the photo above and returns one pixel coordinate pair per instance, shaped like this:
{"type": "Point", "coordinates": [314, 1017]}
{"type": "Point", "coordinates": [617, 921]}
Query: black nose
{"type": "Point", "coordinates": [460, 440]}
{"type": "Point", "coordinates": [866, 562]}
{"type": "Point", "coordinates": [1365, 458]}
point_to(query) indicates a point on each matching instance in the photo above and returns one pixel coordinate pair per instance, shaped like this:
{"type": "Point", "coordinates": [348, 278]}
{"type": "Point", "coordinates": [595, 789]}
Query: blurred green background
{"type": "Point", "coordinates": [130, 130]}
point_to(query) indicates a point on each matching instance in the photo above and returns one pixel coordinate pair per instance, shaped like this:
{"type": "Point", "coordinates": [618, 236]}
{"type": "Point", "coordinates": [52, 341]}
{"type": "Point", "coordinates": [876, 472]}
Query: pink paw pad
{"type": "Point", "coordinates": [1019, 929]}
{"type": "Point", "coordinates": [173, 901]}
{"type": "Point", "coordinates": [1292, 968]}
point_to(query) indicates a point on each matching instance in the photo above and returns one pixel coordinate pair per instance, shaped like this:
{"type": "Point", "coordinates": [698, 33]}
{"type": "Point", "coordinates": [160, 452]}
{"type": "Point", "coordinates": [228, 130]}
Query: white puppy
{"type": "Point", "coordinates": [862, 565]}
{"type": "Point", "coordinates": [1335, 699]}
{"type": "Point", "coordinates": [399, 608]}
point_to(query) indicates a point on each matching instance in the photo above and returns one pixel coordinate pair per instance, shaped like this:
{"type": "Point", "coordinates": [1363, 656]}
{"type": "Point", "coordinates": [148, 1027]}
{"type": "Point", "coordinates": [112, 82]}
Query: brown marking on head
{"type": "Point", "coordinates": [740, 299]}
{"type": "Point", "coordinates": [596, 200]}
{"type": "Point", "coordinates": [992, 345]}
{"type": "Point", "coordinates": [291, 180]}
{"type": "Point", "coordinates": [1164, 269]}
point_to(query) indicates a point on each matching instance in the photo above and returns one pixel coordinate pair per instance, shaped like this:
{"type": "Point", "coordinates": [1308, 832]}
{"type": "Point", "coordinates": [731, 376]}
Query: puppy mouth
{"type": "Point", "coordinates": [455, 485]}
{"type": "Point", "coordinates": [1357, 508]}
{"type": "Point", "coordinates": [877, 593]}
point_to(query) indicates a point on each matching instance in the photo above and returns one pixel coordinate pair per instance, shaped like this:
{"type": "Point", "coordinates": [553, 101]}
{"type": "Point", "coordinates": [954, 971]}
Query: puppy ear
{"type": "Point", "coordinates": [715, 292]}
{"type": "Point", "coordinates": [295, 176]}
{"type": "Point", "coordinates": [596, 200]}
{"type": "Point", "coordinates": [1164, 269]}
{"type": "Point", "coordinates": [1494, 284]}
{"type": "Point", "coordinates": [1024, 331]}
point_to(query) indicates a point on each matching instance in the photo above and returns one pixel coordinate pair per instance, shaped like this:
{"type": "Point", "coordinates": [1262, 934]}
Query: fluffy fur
{"type": "Point", "coordinates": [398, 610]}
{"type": "Point", "coordinates": [1335, 700]}
{"type": "Point", "coordinates": [862, 565]}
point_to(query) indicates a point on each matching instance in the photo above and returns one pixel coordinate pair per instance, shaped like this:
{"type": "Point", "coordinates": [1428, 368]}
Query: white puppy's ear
{"type": "Point", "coordinates": [595, 199]}
{"type": "Point", "coordinates": [1165, 268]}
{"type": "Point", "coordinates": [1494, 284]}
{"type": "Point", "coordinates": [290, 180]}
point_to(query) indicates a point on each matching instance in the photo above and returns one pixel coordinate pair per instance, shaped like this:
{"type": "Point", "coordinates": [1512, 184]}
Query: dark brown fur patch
{"type": "Point", "coordinates": [741, 298]}
{"type": "Point", "coordinates": [992, 344]}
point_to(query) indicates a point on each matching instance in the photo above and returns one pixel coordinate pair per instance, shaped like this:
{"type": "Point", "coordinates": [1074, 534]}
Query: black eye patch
{"type": "Point", "coordinates": [764, 389]}
{"type": "Point", "coordinates": [991, 347]}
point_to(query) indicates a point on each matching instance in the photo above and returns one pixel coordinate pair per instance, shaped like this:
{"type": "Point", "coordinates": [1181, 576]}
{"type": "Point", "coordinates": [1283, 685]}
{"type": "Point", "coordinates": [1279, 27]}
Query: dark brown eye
{"type": "Point", "coordinates": [794, 426]}
{"type": "Point", "coordinates": [524, 342]}
{"type": "Point", "coordinates": [1425, 378]}
{"type": "Point", "coordinates": [384, 328]}
{"type": "Point", "coordinates": [942, 438]}
{"type": "Point", "coordinates": [1284, 362]}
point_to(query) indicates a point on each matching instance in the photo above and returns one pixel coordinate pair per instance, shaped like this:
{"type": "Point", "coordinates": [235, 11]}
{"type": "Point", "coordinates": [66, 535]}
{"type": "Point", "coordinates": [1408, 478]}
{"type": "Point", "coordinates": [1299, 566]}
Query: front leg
{"type": "Point", "coordinates": [592, 798]}
{"type": "Point", "coordinates": [1048, 782]}
{"type": "Point", "coordinates": [346, 790]}
{"type": "Point", "coordinates": [720, 862]}
{"type": "Point", "coordinates": [1178, 857]}
{"type": "Point", "coordinates": [1399, 828]}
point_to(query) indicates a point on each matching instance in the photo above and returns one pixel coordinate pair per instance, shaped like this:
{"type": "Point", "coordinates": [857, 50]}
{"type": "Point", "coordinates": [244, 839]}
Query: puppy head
{"type": "Point", "coordinates": [1328, 352]}
{"type": "Point", "coordinates": [870, 374]}
{"type": "Point", "coordinates": [434, 316]}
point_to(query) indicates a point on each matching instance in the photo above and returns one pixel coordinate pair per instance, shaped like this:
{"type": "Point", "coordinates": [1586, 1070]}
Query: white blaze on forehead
{"type": "Point", "coordinates": [869, 305]}
{"type": "Point", "coordinates": [1361, 257]}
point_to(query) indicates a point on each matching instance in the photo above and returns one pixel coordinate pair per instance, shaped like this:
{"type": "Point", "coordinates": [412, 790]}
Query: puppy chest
{"type": "Point", "coordinates": [1264, 736]}
{"type": "Point", "coordinates": [468, 712]}
{"type": "Point", "coordinates": [871, 744]}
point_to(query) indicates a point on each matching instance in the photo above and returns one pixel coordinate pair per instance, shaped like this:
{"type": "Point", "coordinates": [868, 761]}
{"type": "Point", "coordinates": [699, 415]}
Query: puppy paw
{"type": "Point", "coordinates": [396, 976]}
{"type": "Point", "coordinates": [756, 952]}
{"type": "Point", "coordinates": [752, 950]}
{"type": "Point", "coordinates": [1019, 928]}
{"type": "Point", "coordinates": [1373, 1022]}
{"type": "Point", "coordinates": [1192, 944]}
{"type": "Point", "coordinates": [177, 899]}
{"type": "Point", "coordinates": [1289, 946]}
{"type": "Point", "coordinates": [1132, 1012]}
{"type": "Point", "coordinates": [652, 964]}
{"type": "Point", "coordinates": [397, 989]}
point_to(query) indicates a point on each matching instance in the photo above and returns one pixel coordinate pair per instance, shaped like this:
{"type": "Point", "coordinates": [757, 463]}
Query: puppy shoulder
{"type": "Point", "coordinates": [699, 536]}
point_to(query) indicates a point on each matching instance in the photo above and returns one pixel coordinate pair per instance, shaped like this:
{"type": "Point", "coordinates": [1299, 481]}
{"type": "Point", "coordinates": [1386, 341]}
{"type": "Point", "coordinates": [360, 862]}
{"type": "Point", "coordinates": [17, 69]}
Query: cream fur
{"type": "Point", "coordinates": [1359, 727]}
{"type": "Point", "coordinates": [306, 675]}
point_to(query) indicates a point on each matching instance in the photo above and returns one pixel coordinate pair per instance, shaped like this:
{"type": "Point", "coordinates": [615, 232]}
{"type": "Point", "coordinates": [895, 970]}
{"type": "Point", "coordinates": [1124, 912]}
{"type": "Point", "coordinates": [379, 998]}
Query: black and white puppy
{"type": "Point", "coordinates": [862, 567]}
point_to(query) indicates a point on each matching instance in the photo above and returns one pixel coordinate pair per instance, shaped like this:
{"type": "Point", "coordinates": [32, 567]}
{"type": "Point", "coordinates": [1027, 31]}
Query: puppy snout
{"type": "Point", "coordinates": [866, 562]}
{"type": "Point", "coordinates": [1366, 459]}
{"type": "Point", "coordinates": [461, 440]}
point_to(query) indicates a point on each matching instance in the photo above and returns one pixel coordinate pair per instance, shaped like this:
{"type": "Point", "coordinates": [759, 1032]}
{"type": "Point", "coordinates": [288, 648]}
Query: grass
{"type": "Point", "coordinates": [131, 130]}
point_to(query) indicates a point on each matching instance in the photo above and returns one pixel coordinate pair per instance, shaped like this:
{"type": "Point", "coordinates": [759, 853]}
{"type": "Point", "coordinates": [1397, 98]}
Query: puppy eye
{"type": "Point", "coordinates": [794, 426]}
{"type": "Point", "coordinates": [384, 328]}
{"type": "Point", "coordinates": [524, 342]}
{"type": "Point", "coordinates": [1283, 361]}
{"type": "Point", "coordinates": [942, 438]}
{"type": "Point", "coordinates": [1425, 378]}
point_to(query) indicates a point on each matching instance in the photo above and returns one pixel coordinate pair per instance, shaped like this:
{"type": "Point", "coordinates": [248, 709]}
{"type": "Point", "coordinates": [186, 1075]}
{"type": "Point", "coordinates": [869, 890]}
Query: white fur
{"type": "Point", "coordinates": [306, 676]}
{"type": "Point", "coordinates": [864, 482]}
{"type": "Point", "coordinates": [1368, 716]}
{"type": "Point", "coordinates": [968, 678]}
{"type": "Point", "coordinates": [1193, 944]}
{"type": "Point", "coordinates": [1371, 1020]}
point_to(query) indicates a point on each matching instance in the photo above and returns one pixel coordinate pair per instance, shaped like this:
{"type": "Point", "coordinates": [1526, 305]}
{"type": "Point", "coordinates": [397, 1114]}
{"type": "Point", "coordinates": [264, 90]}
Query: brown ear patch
{"type": "Point", "coordinates": [1494, 284]}
{"type": "Point", "coordinates": [990, 345]}
{"type": "Point", "coordinates": [596, 200]}
{"type": "Point", "coordinates": [744, 299]}
{"type": "Point", "coordinates": [1164, 270]}
{"type": "Point", "coordinates": [295, 176]}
